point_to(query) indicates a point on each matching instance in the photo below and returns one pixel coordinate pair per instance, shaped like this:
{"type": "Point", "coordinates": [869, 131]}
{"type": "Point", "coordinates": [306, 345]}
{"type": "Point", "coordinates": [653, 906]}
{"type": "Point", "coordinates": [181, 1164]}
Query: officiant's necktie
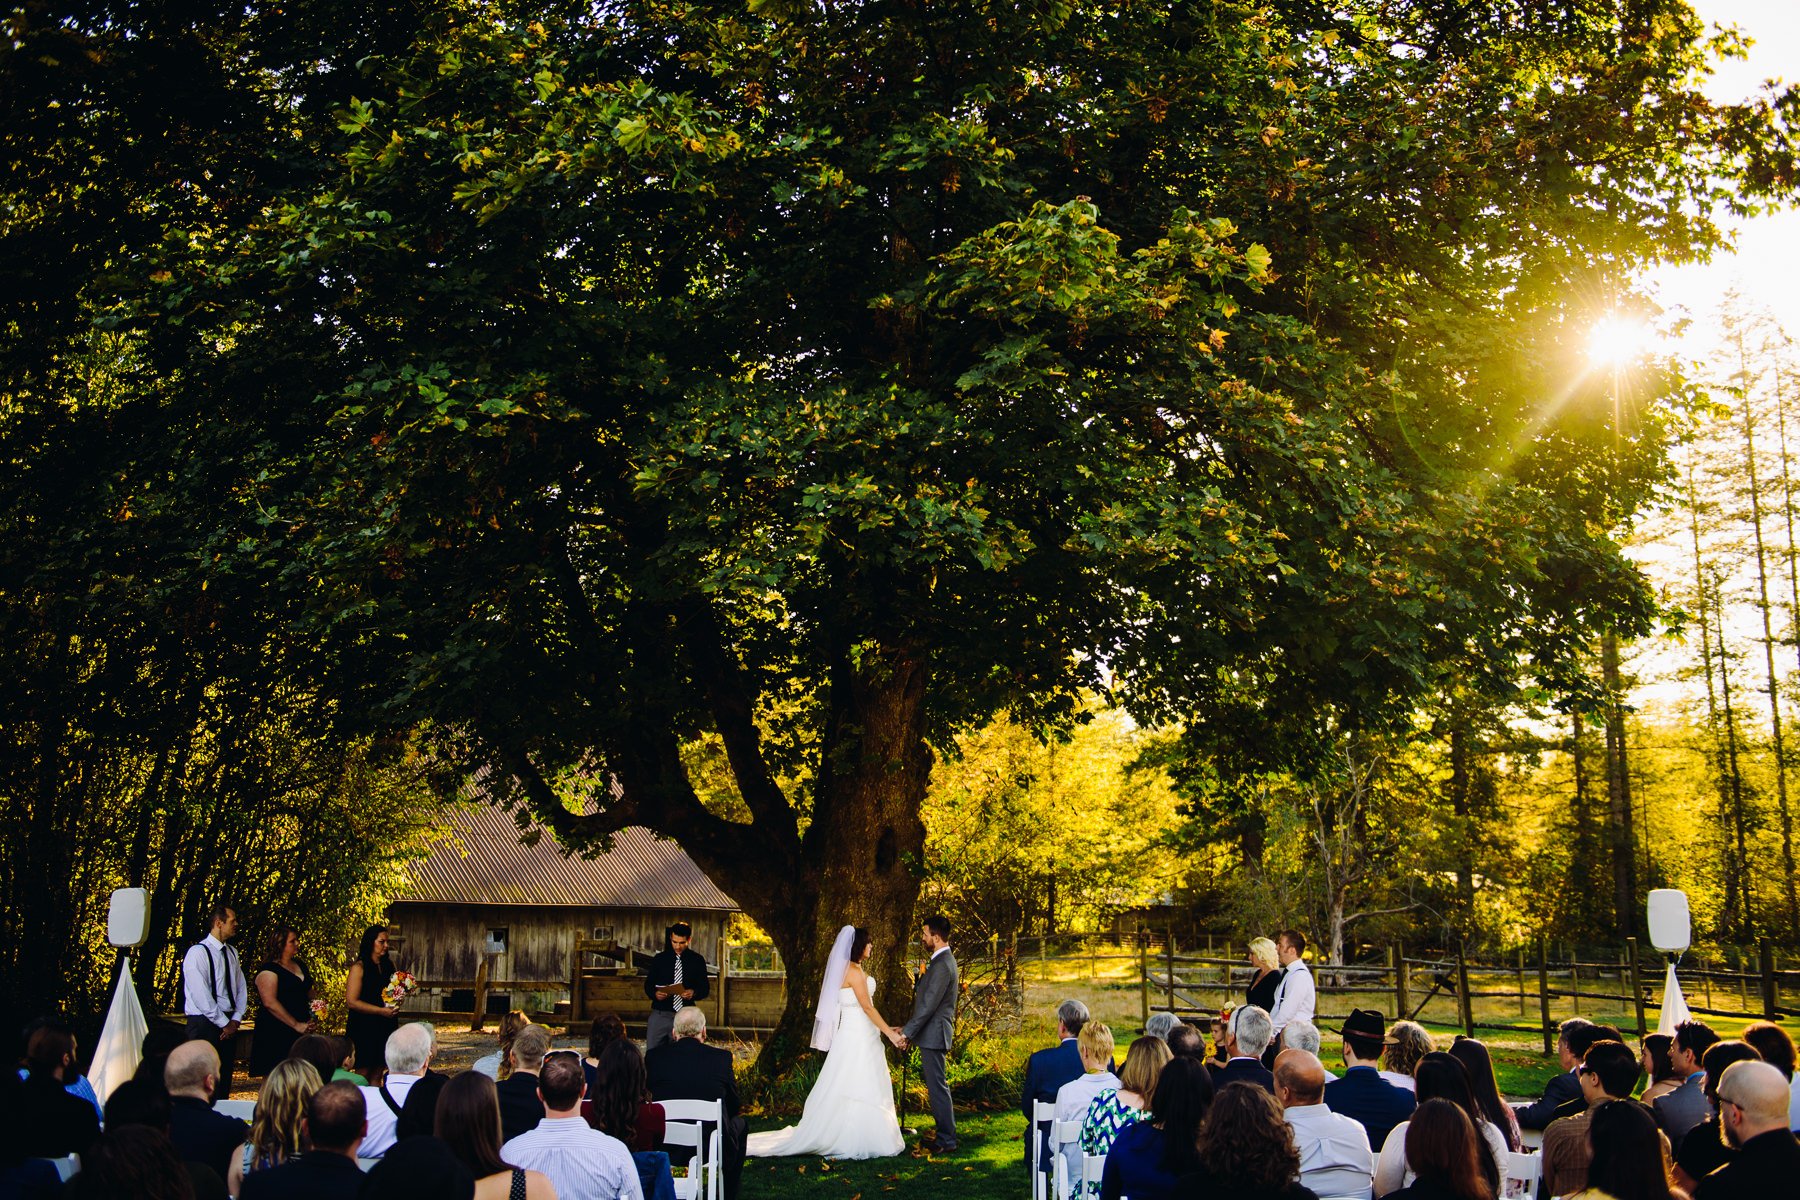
{"type": "Point", "coordinates": [677, 999]}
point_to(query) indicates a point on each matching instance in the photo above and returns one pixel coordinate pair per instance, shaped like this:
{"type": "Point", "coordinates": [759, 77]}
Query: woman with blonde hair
{"type": "Point", "coordinates": [275, 1130]}
{"type": "Point", "coordinates": [498, 1065]}
{"type": "Point", "coordinates": [1095, 1045]}
{"type": "Point", "coordinates": [1112, 1111]}
{"type": "Point", "coordinates": [1407, 1043]}
{"type": "Point", "coordinates": [1267, 980]}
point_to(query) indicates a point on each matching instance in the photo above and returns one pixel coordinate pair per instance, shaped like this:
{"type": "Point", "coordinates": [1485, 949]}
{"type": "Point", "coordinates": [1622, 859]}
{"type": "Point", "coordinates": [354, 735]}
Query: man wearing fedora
{"type": "Point", "coordinates": [1360, 1093]}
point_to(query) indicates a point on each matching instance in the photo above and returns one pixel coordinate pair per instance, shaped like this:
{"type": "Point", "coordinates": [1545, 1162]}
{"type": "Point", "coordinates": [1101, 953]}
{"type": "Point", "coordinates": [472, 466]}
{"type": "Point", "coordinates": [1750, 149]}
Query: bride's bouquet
{"type": "Point", "coordinates": [398, 989]}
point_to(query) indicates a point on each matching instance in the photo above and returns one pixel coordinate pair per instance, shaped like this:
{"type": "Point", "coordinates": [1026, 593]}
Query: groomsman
{"type": "Point", "coordinates": [214, 992]}
{"type": "Point", "coordinates": [677, 978]}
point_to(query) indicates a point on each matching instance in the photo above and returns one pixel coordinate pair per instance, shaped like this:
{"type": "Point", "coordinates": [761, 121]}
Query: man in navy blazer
{"type": "Point", "coordinates": [1360, 1093]}
{"type": "Point", "coordinates": [1049, 1069]}
{"type": "Point", "coordinates": [1562, 1088]}
{"type": "Point", "coordinates": [1246, 1036]}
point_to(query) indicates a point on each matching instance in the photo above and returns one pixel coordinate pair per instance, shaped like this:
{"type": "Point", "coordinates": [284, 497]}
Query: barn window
{"type": "Point", "coordinates": [603, 933]}
{"type": "Point", "coordinates": [496, 941]}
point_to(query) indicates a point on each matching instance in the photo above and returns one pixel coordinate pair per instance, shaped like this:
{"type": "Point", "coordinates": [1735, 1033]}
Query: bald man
{"type": "Point", "coordinates": [200, 1134]}
{"type": "Point", "coordinates": [1753, 1109]}
{"type": "Point", "coordinates": [1335, 1159]}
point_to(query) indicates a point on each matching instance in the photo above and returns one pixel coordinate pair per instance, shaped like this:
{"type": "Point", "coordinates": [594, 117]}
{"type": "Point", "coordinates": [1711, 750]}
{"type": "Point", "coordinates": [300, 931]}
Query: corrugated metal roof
{"type": "Point", "coordinates": [481, 862]}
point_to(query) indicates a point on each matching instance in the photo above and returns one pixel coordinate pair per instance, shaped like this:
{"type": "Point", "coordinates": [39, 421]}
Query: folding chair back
{"type": "Point", "coordinates": [1043, 1115]}
{"type": "Point", "coordinates": [1522, 1174]}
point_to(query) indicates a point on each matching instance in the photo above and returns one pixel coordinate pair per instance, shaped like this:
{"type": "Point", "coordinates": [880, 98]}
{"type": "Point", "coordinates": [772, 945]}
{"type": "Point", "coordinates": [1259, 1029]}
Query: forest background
{"type": "Point", "coordinates": [1322, 612]}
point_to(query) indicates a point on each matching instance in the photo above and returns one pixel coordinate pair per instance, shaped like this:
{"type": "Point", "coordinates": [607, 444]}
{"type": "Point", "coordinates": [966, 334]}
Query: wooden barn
{"type": "Point", "coordinates": [495, 924]}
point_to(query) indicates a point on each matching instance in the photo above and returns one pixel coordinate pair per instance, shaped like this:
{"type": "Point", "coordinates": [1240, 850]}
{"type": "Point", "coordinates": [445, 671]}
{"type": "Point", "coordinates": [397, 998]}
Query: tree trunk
{"type": "Point", "coordinates": [1459, 804]}
{"type": "Point", "coordinates": [1730, 913]}
{"type": "Point", "coordinates": [1618, 794]}
{"type": "Point", "coordinates": [1736, 771]}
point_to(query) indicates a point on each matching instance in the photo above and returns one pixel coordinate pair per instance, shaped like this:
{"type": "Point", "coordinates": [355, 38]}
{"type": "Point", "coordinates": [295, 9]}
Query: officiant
{"type": "Point", "coordinates": [677, 978]}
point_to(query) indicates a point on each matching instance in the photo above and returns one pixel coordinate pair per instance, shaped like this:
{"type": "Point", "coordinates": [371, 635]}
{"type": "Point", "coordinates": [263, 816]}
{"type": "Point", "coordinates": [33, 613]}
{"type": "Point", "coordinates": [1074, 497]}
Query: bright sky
{"type": "Point", "coordinates": [1767, 257]}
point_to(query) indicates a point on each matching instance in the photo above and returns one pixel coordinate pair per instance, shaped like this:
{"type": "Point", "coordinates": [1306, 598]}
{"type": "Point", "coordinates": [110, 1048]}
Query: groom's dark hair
{"type": "Point", "coordinates": [939, 924]}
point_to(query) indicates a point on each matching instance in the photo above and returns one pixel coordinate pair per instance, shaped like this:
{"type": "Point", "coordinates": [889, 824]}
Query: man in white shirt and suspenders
{"type": "Point", "coordinates": [215, 995]}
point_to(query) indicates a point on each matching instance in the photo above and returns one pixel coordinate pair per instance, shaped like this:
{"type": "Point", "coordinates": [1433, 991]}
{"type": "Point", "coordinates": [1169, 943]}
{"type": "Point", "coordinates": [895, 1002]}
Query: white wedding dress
{"type": "Point", "coordinates": [850, 1110]}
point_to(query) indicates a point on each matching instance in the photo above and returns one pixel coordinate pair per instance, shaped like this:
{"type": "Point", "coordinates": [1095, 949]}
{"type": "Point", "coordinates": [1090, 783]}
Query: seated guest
{"type": "Point", "coordinates": [1246, 1151]}
{"type": "Point", "coordinates": [331, 1129]}
{"type": "Point", "coordinates": [24, 1176]}
{"type": "Point", "coordinates": [1304, 1036]}
{"type": "Point", "coordinates": [1753, 1107]}
{"type": "Point", "coordinates": [408, 1054]}
{"type": "Point", "coordinates": [1074, 1097]}
{"type": "Point", "coordinates": [1582, 1039]}
{"type": "Point", "coordinates": [1625, 1155]}
{"type": "Point", "coordinates": [320, 1051]}
{"type": "Point", "coordinates": [1159, 1025]}
{"type": "Point", "coordinates": [1686, 1106]}
{"type": "Point", "coordinates": [200, 1134]}
{"type": "Point", "coordinates": [1335, 1159]}
{"type": "Point", "coordinates": [420, 1168]}
{"type": "Point", "coordinates": [1245, 1038]}
{"type": "Point", "coordinates": [495, 1066]}
{"type": "Point", "coordinates": [686, 1068]}
{"type": "Point", "coordinates": [1361, 1093]}
{"type": "Point", "coordinates": [53, 1122]}
{"type": "Point", "coordinates": [128, 1163]}
{"type": "Point", "coordinates": [1150, 1154]}
{"type": "Point", "coordinates": [1704, 1149]}
{"type": "Point", "coordinates": [1440, 1077]}
{"type": "Point", "coordinates": [1407, 1043]}
{"type": "Point", "coordinates": [468, 1121]}
{"type": "Point", "coordinates": [621, 1103]}
{"type": "Point", "coordinates": [606, 1029]}
{"type": "Point", "coordinates": [1473, 1055]}
{"type": "Point", "coordinates": [275, 1129]}
{"type": "Point", "coordinates": [520, 1108]}
{"type": "Point", "coordinates": [146, 1102]}
{"type": "Point", "coordinates": [346, 1062]}
{"type": "Point", "coordinates": [1185, 1041]}
{"type": "Point", "coordinates": [1111, 1111]}
{"type": "Point", "coordinates": [1562, 1087]}
{"type": "Point", "coordinates": [161, 1038]}
{"type": "Point", "coordinates": [1047, 1070]}
{"type": "Point", "coordinates": [1777, 1049]}
{"type": "Point", "coordinates": [581, 1162]}
{"type": "Point", "coordinates": [1444, 1147]}
{"type": "Point", "coordinates": [1608, 1072]}
{"type": "Point", "coordinates": [1658, 1070]}
{"type": "Point", "coordinates": [74, 1081]}
{"type": "Point", "coordinates": [419, 1113]}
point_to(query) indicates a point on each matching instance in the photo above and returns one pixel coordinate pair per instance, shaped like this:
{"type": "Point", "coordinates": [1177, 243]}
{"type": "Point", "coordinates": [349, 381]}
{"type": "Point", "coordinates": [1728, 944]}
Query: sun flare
{"type": "Point", "coordinates": [1616, 340]}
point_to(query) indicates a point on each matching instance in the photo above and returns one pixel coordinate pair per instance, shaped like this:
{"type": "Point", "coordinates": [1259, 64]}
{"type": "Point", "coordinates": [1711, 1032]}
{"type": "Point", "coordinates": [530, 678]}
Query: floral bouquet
{"type": "Point", "coordinates": [398, 989]}
{"type": "Point", "coordinates": [318, 1008]}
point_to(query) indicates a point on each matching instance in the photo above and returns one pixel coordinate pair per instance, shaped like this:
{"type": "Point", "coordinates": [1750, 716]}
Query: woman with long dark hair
{"type": "Point", "coordinates": [284, 993]}
{"type": "Point", "coordinates": [1149, 1155]}
{"type": "Point", "coordinates": [1446, 1153]}
{"type": "Point", "coordinates": [1627, 1156]}
{"type": "Point", "coordinates": [1473, 1055]}
{"type": "Point", "coordinates": [1246, 1150]}
{"type": "Point", "coordinates": [468, 1121]}
{"type": "Point", "coordinates": [620, 1103]}
{"type": "Point", "coordinates": [1441, 1077]}
{"type": "Point", "coordinates": [608, 1027]}
{"type": "Point", "coordinates": [1658, 1068]}
{"type": "Point", "coordinates": [371, 1018]}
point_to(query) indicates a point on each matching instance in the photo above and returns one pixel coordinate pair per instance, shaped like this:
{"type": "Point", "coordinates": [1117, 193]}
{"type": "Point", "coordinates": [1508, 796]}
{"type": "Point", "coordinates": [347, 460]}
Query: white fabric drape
{"type": "Point", "coordinates": [826, 1021]}
{"type": "Point", "coordinates": [121, 1044]}
{"type": "Point", "coordinates": [1674, 1005]}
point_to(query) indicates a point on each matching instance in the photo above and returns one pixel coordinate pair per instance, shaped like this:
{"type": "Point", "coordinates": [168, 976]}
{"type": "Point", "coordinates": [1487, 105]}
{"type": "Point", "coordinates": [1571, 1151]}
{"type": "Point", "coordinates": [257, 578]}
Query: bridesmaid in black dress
{"type": "Point", "coordinates": [370, 1019]}
{"type": "Point", "coordinates": [284, 992]}
{"type": "Point", "coordinates": [1268, 975]}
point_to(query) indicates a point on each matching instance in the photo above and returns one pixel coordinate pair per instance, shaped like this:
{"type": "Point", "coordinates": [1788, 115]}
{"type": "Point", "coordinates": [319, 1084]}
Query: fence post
{"type": "Point", "coordinates": [1144, 975]}
{"type": "Point", "coordinates": [1171, 949]}
{"type": "Point", "coordinates": [1544, 993]}
{"type": "Point", "coordinates": [1743, 969]}
{"type": "Point", "coordinates": [1464, 1001]}
{"type": "Point", "coordinates": [1766, 953]}
{"type": "Point", "coordinates": [1093, 960]}
{"type": "Point", "coordinates": [1575, 982]}
{"type": "Point", "coordinates": [481, 978]}
{"type": "Point", "coordinates": [1402, 1000]}
{"type": "Point", "coordinates": [724, 982]}
{"type": "Point", "coordinates": [1521, 979]}
{"type": "Point", "coordinates": [1394, 966]}
{"type": "Point", "coordinates": [1637, 987]}
{"type": "Point", "coordinates": [1044, 957]}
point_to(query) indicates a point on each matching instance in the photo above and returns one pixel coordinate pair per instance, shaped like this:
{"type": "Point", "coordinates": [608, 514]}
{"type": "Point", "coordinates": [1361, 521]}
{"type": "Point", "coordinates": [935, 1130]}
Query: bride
{"type": "Point", "coordinates": [850, 1110]}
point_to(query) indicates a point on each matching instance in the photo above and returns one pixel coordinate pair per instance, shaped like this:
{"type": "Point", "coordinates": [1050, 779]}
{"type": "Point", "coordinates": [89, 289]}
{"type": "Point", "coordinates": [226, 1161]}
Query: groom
{"type": "Point", "coordinates": [933, 1017]}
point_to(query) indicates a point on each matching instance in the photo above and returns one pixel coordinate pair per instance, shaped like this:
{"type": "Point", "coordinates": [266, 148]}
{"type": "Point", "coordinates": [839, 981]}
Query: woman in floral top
{"type": "Point", "coordinates": [1113, 1110]}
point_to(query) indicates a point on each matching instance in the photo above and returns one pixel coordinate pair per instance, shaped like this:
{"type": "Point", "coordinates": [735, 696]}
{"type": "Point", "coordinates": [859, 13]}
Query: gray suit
{"type": "Point", "coordinates": [1682, 1109]}
{"type": "Point", "coordinates": [933, 1021]}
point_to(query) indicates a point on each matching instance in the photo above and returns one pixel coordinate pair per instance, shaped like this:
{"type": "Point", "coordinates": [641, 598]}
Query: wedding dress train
{"type": "Point", "coordinates": [850, 1110]}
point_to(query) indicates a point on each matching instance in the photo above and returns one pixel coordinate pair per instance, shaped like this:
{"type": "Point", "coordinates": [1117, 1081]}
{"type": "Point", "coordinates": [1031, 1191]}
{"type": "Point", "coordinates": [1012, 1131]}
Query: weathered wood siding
{"type": "Point", "coordinates": [750, 1002]}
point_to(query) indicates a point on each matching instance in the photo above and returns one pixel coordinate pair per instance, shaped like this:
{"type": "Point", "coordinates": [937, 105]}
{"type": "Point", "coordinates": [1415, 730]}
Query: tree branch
{"type": "Point", "coordinates": [1380, 912]}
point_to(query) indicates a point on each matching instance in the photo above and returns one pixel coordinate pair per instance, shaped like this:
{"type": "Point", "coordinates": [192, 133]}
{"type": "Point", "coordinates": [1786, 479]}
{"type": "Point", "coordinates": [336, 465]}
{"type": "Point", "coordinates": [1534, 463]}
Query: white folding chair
{"type": "Point", "coordinates": [706, 1169]}
{"type": "Point", "coordinates": [1092, 1167]}
{"type": "Point", "coordinates": [66, 1166]}
{"type": "Point", "coordinates": [1065, 1133]}
{"type": "Point", "coordinates": [1522, 1174]}
{"type": "Point", "coordinates": [243, 1110]}
{"type": "Point", "coordinates": [365, 1165]}
{"type": "Point", "coordinates": [1043, 1115]}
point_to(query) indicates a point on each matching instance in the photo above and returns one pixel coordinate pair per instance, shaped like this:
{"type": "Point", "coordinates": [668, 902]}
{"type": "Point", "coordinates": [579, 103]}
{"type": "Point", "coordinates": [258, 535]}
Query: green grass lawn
{"type": "Point", "coordinates": [986, 1165]}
